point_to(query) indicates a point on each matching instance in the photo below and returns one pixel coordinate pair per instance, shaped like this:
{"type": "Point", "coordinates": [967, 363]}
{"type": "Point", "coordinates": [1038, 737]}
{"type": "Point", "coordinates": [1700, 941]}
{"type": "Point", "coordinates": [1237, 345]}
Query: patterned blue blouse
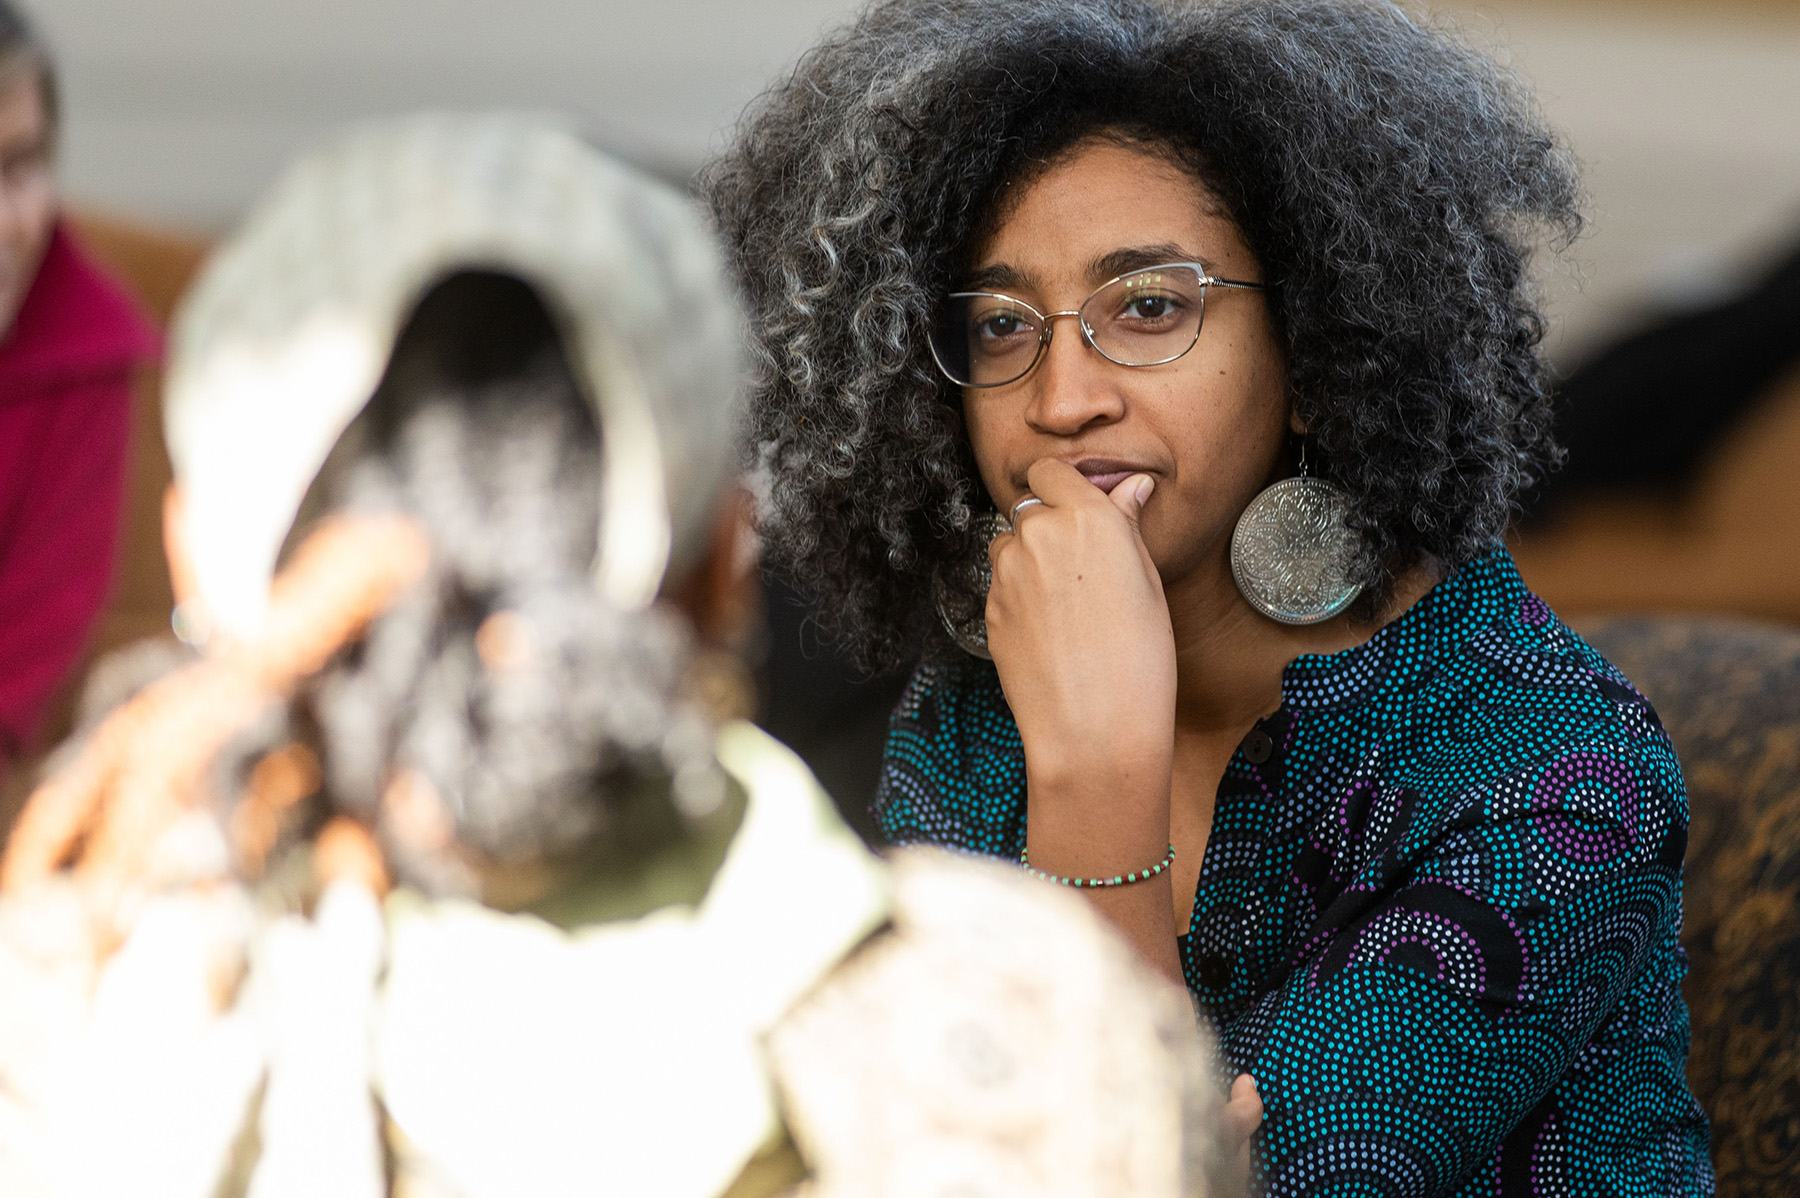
{"type": "Point", "coordinates": [1438, 914]}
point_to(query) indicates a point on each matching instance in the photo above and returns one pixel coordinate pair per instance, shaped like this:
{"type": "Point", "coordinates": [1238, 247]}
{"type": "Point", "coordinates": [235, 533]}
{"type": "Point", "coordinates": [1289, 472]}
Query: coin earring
{"type": "Point", "coordinates": [1293, 554]}
{"type": "Point", "coordinates": [962, 592]}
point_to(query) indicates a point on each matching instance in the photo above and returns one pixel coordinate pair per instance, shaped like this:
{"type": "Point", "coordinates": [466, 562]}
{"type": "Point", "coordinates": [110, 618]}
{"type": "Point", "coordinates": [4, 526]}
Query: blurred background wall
{"type": "Point", "coordinates": [180, 111]}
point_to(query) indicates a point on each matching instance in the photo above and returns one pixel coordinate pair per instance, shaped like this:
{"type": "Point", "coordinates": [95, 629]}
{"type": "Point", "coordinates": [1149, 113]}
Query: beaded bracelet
{"type": "Point", "coordinates": [1138, 875]}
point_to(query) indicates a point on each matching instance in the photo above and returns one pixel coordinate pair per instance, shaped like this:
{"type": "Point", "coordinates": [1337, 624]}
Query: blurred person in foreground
{"type": "Point", "coordinates": [69, 341]}
{"type": "Point", "coordinates": [445, 870]}
{"type": "Point", "coordinates": [1218, 625]}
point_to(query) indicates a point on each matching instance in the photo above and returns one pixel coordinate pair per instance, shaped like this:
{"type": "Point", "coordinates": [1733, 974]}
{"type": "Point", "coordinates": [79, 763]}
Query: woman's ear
{"type": "Point", "coordinates": [175, 546]}
{"type": "Point", "coordinates": [1296, 425]}
{"type": "Point", "coordinates": [720, 594]}
{"type": "Point", "coordinates": [189, 620]}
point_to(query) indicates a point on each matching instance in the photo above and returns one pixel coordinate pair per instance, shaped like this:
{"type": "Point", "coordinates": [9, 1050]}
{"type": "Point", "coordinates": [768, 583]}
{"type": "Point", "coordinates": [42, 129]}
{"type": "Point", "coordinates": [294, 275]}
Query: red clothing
{"type": "Point", "coordinates": [65, 420]}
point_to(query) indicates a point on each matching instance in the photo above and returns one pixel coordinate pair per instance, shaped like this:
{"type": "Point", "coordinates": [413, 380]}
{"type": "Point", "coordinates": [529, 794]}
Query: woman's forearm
{"type": "Point", "coordinates": [1105, 823]}
{"type": "Point", "coordinates": [1081, 638]}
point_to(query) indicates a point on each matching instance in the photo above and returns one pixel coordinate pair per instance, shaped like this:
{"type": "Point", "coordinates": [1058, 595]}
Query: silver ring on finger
{"type": "Point", "coordinates": [1028, 501]}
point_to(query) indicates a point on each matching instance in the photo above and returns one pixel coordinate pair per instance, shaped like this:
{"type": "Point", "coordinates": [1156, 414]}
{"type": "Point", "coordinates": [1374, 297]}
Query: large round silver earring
{"type": "Point", "coordinates": [962, 592]}
{"type": "Point", "coordinates": [1292, 554]}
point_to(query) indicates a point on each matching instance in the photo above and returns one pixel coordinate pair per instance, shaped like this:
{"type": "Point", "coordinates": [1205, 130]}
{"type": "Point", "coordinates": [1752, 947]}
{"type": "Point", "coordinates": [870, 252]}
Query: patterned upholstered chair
{"type": "Point", "coordinates": [1729, 694]}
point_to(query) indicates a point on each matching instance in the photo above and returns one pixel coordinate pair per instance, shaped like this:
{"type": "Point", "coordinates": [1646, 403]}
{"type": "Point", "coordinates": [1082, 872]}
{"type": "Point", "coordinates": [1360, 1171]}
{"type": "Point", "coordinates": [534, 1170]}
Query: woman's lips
{"type": "Point", "coordinates": [1107, 480]}
{"type": "Point", "coordinates": [1104, 473]}
{"type": "Point", "coordinates": [1107, 473]}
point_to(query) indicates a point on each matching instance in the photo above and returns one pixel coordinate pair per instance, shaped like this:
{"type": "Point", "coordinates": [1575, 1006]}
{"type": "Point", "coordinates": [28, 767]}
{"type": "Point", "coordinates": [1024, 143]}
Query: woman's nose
{"type": "Point", "coordinates": [1073, 387]}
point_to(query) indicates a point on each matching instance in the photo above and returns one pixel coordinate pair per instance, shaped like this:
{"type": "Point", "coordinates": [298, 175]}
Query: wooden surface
{"type": "Point", "coordinates": [1729, 543]}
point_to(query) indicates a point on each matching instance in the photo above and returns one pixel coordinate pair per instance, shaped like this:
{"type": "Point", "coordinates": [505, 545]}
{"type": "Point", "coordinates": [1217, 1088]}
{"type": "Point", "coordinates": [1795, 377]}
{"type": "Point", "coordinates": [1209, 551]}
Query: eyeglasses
{"type": "Point", "coordinates": [1144, 318]}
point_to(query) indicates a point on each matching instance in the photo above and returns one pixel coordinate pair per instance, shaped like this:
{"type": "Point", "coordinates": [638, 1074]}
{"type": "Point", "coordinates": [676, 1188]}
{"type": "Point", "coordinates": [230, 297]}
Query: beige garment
{"type": "Point", "coordinates": [930, 1025]}
{"type": "Point", "coordinates": [130, 1079]}
{"type": "Point", "coordinates": [999, 1041]}
{"type": "Point", "coordinates": [626, 1057]}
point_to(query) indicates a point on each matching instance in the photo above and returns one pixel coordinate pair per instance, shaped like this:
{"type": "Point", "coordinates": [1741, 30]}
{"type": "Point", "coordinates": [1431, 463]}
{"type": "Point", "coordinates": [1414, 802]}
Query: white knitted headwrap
{"type": "Point", "coordinates": [288, 331]}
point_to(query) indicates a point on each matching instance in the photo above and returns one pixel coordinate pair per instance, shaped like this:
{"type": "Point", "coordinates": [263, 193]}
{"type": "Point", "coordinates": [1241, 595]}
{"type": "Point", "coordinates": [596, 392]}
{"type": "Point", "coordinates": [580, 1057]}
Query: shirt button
{"type": "Point", "coordinates": [1215, 972]}
{"type": "Point", "coordinates": [1258, 747]}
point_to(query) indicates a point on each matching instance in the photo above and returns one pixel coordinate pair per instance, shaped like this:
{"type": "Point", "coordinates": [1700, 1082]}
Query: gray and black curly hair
{"type": "Point", "coordinates": [1390, 180]}
{"type": "Point", "coordinates": [479, 431]}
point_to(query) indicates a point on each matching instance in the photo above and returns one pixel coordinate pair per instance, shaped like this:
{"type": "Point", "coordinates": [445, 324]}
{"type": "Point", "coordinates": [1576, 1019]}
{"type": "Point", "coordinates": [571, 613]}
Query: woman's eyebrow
{"type": "Point", "coordinates": [995, 277]}
{"type": "Point", "coordinates": [1123, 261]}
{"type": "Point", "coordinates": [1002, 276]}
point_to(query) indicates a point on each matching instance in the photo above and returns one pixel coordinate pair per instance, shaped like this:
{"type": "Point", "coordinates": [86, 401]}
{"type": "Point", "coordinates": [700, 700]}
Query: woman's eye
{"type": "Point", "coordinates": [999, 326]}
{"type": "Point", "coordinates": [1151, 309]}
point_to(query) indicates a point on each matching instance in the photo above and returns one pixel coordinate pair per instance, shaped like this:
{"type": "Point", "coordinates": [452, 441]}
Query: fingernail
{"type": "Point", "coordinates": [1146, 484]}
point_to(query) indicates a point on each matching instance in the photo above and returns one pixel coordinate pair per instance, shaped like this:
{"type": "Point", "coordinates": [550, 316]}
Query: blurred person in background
{"type": "Point", "coordinates": [1216, 620]}
{"type": "Point", "coordinates": [69, 342]}
{"type": "Point", "coordinates": [447, 868]}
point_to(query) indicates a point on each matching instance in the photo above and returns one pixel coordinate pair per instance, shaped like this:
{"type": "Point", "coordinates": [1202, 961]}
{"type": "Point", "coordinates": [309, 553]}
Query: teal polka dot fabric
{"type": "Point", "coordinates": [1438, 914]}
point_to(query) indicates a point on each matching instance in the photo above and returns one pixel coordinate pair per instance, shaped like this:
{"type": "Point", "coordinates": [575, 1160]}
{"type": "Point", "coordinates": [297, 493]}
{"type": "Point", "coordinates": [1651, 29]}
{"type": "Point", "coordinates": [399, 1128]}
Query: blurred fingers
{"type": "Point", "coordinates": [1244, 1109]}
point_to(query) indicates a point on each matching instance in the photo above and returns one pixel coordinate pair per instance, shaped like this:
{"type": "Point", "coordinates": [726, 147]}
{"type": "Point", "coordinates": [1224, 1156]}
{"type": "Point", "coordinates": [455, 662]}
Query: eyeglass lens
{"type": "Point", "coordinates": [1143, 318]}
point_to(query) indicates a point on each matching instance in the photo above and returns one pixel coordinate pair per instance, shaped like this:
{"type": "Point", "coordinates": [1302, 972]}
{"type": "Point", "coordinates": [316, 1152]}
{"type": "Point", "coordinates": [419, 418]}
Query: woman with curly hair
{"type": "Point", "coordinates": [1253, 670]}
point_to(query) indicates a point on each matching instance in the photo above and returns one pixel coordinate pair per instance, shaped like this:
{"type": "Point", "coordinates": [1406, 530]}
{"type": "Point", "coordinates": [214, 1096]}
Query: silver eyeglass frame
{"type": "Point", "coordinates": [1045, 320]}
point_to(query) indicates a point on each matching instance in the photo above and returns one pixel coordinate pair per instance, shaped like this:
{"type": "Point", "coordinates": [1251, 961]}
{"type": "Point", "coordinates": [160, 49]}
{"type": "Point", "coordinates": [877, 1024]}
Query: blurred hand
{"type": "Point", "coordinates": [1243, 1115]}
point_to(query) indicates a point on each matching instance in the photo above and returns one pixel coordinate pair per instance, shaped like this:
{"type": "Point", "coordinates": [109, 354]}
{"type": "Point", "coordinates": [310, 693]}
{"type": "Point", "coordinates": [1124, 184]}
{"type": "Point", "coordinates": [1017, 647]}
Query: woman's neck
{"type": "Point", "coordinates": [1230, 659]}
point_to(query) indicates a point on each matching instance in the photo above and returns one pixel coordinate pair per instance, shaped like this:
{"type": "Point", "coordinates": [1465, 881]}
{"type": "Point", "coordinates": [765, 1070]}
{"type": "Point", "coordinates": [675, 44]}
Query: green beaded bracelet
{"type": "Point", "coordinates": [1136, 875]}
